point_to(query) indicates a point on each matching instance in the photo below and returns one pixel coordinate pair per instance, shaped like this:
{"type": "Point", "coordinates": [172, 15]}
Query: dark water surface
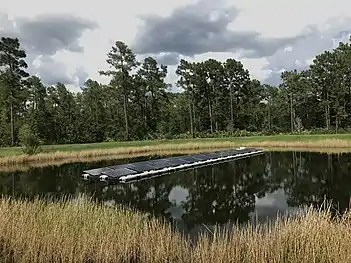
{"type": "Point", "coordinates": [237, 191]}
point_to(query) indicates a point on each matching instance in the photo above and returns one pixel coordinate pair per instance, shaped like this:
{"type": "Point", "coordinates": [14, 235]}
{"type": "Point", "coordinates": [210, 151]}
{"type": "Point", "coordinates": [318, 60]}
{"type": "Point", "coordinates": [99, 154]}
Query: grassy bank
{"type": "Point", "coordinates": [12, 166]}
{"type": "Point", "coordinates": [272, 140]}
{"type": "Point", "coordinates": [117, 150]}
{"type": "Point", "coordinates": [86, 232]}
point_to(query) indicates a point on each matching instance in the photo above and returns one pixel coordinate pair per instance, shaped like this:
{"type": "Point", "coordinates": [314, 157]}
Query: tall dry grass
{"type": "Point", "coordinates": [114, 152]}
{"type": "Point", "coordinates": [327, 145]}
{"type": "Point", "coordinates": [321, 143]}
{"type": "Point", "coordinates": [85, 232]}
{"type": "Point", "coordinates": [25, 166]}
{"type": "Point", "coordinates": [10, 165]}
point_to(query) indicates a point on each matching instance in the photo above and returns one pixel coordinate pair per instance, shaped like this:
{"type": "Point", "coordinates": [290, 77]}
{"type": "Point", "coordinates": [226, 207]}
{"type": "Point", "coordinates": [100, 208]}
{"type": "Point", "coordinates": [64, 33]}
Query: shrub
{"type": "Point", "coordinates": [29, 140]}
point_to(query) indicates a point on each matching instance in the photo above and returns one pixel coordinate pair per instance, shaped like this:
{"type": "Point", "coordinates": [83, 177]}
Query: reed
{"type": "Point", "coordinates": [328, 145]}
{"type": "Point", "coordinates": [83, 231]}
{"type": "Point", "coordinates": [321, 143]}
{"type": "Point", "coordinates": [26, 166]}
{"type": "Point", "coordinates": [124, 152]}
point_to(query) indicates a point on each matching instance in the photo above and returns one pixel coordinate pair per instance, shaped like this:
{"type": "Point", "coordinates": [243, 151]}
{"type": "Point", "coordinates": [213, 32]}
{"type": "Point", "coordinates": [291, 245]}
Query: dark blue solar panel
{"type": "Point", "coordinates": [98, 171]}
{"type": "Point", "coordinates": [229, 153]}
{"type": "Point", "coordinates": [140, 167]}
{"type": "Point", "coordinates": [201, 157]}
{"type": "Point", "coordinates": [185, 161]}
{"type": "Point", "coordinates": [160, 164]}
{"type": "Point", "coordinates": [177, 161]}
{"type": "Point", "coordinates": [224, 154]}
{"type": "Point", "coordinates": [169, 162]}
{"type": "Point", "coordinates": [191, 159]}
{"type": "Point", "coordinates": [212, 155]}
{"type": "Point", "coordinates": [119, 172]}
{"type": "Point", "coordinates": [118, 166]}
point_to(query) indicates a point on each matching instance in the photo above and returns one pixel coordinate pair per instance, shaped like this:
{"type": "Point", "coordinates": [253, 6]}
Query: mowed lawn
{"type": "Point", "coordinates": [10, 151]}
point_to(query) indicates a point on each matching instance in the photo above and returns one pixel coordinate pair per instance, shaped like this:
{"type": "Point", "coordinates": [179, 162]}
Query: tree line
{"type": "Point", "coordinates": [219, 98]}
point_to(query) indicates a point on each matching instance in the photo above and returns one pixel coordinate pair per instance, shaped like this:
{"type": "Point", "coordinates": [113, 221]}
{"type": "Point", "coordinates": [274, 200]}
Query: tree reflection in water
{"type": "Point", "coordinates": [219, 194]}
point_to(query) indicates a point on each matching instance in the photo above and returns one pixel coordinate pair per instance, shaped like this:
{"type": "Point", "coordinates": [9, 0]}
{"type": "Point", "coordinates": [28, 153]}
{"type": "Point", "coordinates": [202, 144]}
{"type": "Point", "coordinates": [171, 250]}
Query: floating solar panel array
{"type": "Point", "coordinates": [146, 169]}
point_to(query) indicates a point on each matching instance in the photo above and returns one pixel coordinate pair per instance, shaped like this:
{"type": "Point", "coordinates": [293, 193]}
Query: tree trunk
{"type": "Point", "coordinates": [237, 108]}
{"type": "Point", "coordinates": [210, 113]}
{"type": "Point", "coordinates": [269, 116]}
{"type": "Point", "coordinates": [125, 116]}
{"type": "Point", "coordinates": [214, 112]}
{"type": "Point", "coordinates": [191, 120]}
{"type": "Point", "coordinates": [231, 109]}
{"type": "Point", "coordinates": [194, 117]}
{"type": "Point", "coordinates": [12, 122]}
{"type": "Point", "coordinates": [291, 115]}
{"type": "Point", "coordinates": [327, 114]}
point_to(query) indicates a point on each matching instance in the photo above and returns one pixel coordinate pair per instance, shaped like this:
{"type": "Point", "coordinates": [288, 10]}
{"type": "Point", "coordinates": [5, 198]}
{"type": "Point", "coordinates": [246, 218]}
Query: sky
{"type": "Point", "coordinates": [67, 41]}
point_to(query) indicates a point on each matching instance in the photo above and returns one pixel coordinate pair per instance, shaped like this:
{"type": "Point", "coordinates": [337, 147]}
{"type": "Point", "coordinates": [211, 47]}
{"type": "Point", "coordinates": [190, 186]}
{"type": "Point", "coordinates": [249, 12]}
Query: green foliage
{"type": "Point", "coordinates": [218, 99]}
{"type": "Point", "coordinates": [29, 140]}
{"type": "Point", "coordinates": [12, 75]}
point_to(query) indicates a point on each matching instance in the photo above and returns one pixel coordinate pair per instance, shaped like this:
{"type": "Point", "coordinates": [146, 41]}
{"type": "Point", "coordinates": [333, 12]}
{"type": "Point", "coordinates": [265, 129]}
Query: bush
{"type": "Point", "coordinates": [29, 140]}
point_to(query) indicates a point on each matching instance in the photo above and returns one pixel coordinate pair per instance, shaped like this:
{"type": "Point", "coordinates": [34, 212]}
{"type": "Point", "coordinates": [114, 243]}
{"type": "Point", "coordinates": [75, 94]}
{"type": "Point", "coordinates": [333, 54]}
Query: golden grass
{"type": "Point", "coordinates": [71, 231]}
{"type": "Point", "coordinates": [322, 143]}
{"type": "Point", "coordinates": [22, 167]}
{"type": "Point", "coordinates": [24, 162]}
{"type": "Point", "coordinates": [124, 152]}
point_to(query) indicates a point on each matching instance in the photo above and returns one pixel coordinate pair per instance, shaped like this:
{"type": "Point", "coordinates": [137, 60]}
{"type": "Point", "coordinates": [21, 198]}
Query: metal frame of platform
{"type": "Point", "coordinates": [146, 169]}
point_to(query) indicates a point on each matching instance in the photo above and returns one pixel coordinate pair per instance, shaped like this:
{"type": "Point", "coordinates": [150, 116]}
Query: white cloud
{"type": "Point", "coordinates": [119, 20]}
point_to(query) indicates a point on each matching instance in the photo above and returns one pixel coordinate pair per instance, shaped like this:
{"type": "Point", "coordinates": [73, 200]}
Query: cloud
{"type": "Point", "coordinates": [47, 34]}
{"type": "Point", "coordinates": [82, 76]}
{"type": "Point", "coordinates": [43, 37]}
{"type": "Point", "coordinates": [170, 59]}
{"type": "Point", "coordinates": [51, 71]}
{"type": "Point", "coordinates": [201, 28]}
{"type": "Point", "coordinates": [301, 53]}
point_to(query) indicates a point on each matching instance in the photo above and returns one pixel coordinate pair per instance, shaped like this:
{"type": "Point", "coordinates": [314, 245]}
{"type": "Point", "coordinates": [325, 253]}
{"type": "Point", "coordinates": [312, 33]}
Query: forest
{"type": "Point", "coordinates": [219, 98]}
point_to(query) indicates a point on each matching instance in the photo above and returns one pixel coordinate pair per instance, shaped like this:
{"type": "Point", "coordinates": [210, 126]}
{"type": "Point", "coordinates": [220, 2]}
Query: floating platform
{"type": "Point", "coordinates": [146, 169]}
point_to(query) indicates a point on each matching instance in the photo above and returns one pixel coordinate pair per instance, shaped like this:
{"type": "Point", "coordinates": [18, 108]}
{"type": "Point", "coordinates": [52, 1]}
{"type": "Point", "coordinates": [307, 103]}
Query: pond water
{"type": "Point", "coordinates": [238, 191]}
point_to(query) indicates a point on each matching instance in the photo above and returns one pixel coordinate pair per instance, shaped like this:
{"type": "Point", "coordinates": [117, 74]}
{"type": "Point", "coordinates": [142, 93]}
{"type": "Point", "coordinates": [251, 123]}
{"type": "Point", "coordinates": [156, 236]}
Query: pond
{"type": "Point", "coordinates": [255, 188]}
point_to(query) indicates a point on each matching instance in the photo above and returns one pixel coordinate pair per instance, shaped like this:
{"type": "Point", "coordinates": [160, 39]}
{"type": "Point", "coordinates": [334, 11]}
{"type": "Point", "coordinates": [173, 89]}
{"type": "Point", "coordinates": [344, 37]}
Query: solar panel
{"type": "Point", "coordinates": [190, 159]}
{"type": "Point", "coordinates": [165, 162]}
{"type": "Point", "coordinates": [212, 155]}
{"type": "Point", "coordinates": [230, 152]}
{"type": "Point", "coordinates": [185, 161]}
{"type": "Point", "coordinates": [97, 172]}
{"type": "Point", "coordinates": [119, 172]}
{"type": "Point", "coordinates": [201, 157]}
{"type": "Point", "coordinates": [176, 161]}
{"type": "Point", "coordinates": [140, 167]}
{"type": "Point", "coordinates": [118, 166]}
{"type": "Point", "coordinates": [160, 165]}
{"type": "Point", "coordinates": [224, 154]}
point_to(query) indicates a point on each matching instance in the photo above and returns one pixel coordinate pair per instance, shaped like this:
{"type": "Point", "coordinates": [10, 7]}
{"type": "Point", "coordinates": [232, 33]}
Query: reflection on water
{"type": "Point", "coordinates": [237, 191]}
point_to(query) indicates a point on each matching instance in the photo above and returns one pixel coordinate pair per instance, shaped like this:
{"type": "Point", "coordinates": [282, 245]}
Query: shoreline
{"type": "Point", "coordinates": [331, 146]}
{"type": "Point", "coordinates": [23, 162]}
